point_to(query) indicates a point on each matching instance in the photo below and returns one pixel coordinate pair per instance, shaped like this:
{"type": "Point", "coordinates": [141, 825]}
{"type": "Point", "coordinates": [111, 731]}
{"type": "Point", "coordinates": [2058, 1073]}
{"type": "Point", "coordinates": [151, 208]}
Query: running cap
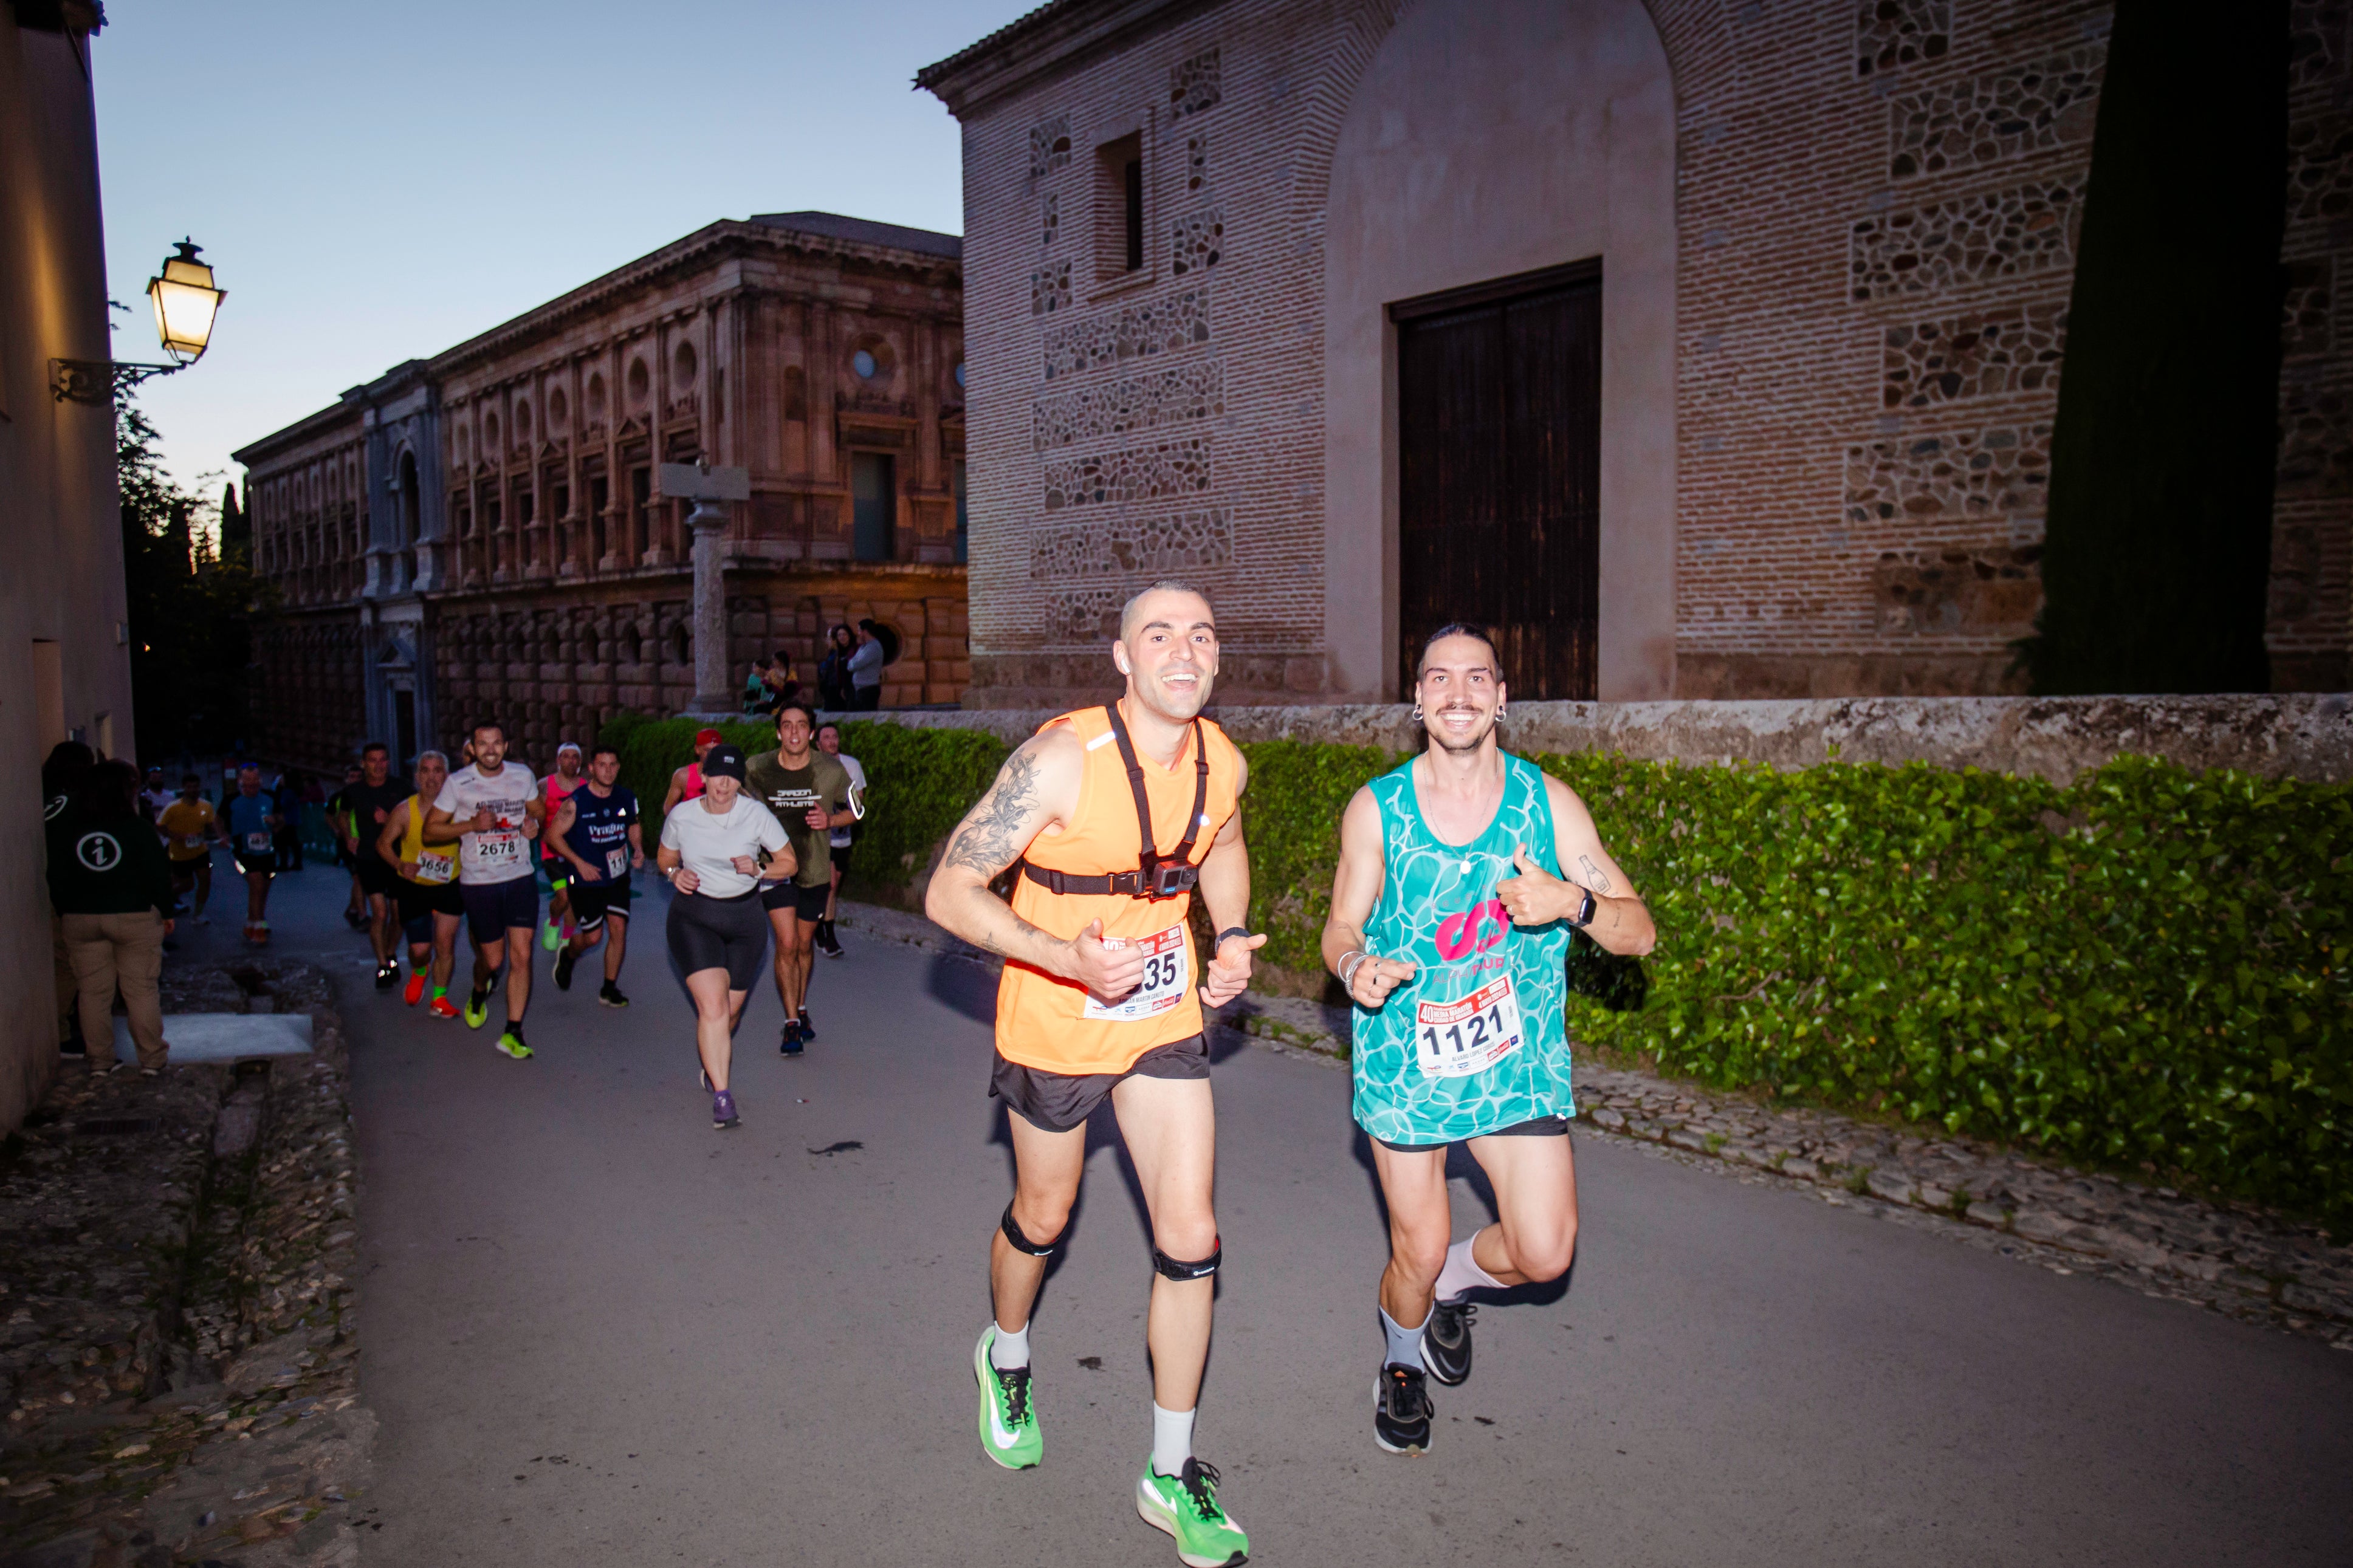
{"type": "Point", "coordinates": [708, 738]}
{"type": "Point", "coordinates": [723, 762]}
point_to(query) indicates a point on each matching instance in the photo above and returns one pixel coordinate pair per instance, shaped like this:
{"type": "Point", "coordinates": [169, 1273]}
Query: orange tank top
{"type": "Point", "coordinates": [1052, 1024]}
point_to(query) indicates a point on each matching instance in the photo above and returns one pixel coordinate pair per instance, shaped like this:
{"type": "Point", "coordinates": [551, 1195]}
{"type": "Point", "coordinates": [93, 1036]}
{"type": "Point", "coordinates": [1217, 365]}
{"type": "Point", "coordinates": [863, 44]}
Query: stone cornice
{"type": "Point", "coordinates": [1055, 37]}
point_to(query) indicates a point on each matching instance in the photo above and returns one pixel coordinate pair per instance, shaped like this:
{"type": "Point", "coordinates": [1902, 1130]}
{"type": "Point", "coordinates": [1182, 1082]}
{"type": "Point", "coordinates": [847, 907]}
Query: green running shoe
{"type": "Point", "coordinates": [478, 1009]}
{"type": "Point", "coordinates": [550, 936]}
{"type": "Point", "coordinates": [1186, 1505]}
{"type": "Point", "coordinates": [512, 1044]}
{"type": "Point", "coordinates": [1009, 1421]}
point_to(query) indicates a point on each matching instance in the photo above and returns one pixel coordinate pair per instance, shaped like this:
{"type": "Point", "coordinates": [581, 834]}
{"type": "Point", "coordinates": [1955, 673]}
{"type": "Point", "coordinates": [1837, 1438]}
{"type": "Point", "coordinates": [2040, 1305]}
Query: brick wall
{"type": "Point", "coordinates": [1876, 207]}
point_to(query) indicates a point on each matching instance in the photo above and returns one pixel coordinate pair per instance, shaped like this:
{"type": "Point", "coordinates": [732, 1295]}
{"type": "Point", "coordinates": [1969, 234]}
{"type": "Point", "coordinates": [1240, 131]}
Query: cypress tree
{"type": "Point", "coordinates": [2156, 563]}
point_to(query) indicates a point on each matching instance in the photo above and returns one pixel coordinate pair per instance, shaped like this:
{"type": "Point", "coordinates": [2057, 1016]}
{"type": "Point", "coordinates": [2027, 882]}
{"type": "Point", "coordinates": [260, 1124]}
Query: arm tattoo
{"type": "Point", "coordinates": [1595, 878]}
{"type": "Point", "coordinates": [992, 836]}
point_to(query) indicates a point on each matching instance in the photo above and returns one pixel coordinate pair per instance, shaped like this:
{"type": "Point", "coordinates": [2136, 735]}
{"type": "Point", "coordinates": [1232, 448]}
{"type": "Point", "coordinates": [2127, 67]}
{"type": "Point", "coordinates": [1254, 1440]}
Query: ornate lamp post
{"type": "Point", "coordinates": [185, 302]}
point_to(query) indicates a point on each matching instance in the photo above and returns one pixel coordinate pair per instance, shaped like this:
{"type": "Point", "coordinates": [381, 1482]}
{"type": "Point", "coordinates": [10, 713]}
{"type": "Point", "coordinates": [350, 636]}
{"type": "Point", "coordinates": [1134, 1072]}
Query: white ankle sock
{"type": "Point", "coordinates": [1172, 1439]}
{"type": "Point", "coordinates": [1010, 1349]}
{"type": "Point", "coordinates": [1463, 1273]}
{"type": "Point", "coordinates": [1405, 1344]}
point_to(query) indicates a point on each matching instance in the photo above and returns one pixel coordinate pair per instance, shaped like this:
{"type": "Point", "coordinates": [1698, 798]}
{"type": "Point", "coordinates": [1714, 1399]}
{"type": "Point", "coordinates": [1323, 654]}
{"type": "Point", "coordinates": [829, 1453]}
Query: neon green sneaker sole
{"type": "Point", "coordinates": [550, 936]}
{"type": "Point", "coordinates": [1016, 1444]}
{"type": "Point", "coordinates": [478, 1012]}
{"type": "Point", "coordinates": [1206, 1535]}
{"type": "Point", "coordinates": [511, 1047]}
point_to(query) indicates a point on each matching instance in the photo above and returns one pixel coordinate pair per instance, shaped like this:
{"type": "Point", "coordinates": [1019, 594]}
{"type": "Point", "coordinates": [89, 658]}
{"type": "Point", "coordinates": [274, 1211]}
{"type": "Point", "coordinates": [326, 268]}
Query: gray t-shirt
{"type": "Point", "coordinates": [866, 664]}
{"type": "Point", "coordinates": [707, 842]}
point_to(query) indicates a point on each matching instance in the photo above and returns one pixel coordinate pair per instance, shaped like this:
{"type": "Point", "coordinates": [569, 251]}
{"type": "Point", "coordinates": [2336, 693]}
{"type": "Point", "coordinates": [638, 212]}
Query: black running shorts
{"type": "Point", "coordinates": [808, 903]}
{"type": "Point", "coordinates": [592, 901]}
{"type": "Point", "coordinates": [494, 909]}
{"type": "Point", "coordinates": [1535, 1127]}
{"type": "Point", "coordinates": [376, 879]}
{"type": "Point", "coordinates": [423, 900]}
{"type": "Point", "coordinates": [719, 933]}
{"type": "Point", "coordinates": [1056, 1103]}
{"type": "Point", "coordinates": [262, 860]}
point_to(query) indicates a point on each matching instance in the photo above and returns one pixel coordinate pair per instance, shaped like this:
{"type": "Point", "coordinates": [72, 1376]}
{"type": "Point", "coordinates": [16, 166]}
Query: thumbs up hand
{"type": "Point", "coordinates": [1108, 969]}
{"type": "Point", "coordinates": [1535, 897]}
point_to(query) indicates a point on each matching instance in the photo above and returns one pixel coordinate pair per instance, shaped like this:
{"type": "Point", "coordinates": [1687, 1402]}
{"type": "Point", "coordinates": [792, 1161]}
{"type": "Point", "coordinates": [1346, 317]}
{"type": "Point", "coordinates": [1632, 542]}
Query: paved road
{"type": "Point", "coordinates": [598, 1332]}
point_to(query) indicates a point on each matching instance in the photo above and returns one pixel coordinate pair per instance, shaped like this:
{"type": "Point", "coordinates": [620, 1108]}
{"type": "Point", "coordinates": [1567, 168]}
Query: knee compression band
{"type": "Point", "coordinates": [1176, 1269]}
{"type": "Point", "coordinates": [1021, 1243]}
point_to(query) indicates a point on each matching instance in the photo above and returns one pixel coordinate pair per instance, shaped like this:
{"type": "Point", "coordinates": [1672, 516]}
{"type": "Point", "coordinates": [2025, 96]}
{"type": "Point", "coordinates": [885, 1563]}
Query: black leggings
{"type": "Point", "coordinates": [720, 933]}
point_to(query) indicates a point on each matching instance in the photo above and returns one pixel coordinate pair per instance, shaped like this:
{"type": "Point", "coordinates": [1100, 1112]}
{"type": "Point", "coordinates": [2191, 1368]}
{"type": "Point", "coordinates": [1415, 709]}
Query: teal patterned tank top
{"type": "Point", "coordinates": [1475, 1042]}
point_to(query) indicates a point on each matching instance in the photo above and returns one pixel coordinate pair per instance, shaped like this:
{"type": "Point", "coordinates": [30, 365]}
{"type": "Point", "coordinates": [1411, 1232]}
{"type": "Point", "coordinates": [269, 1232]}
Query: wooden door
{"type": "Point", "coordinates": [1499, 458]}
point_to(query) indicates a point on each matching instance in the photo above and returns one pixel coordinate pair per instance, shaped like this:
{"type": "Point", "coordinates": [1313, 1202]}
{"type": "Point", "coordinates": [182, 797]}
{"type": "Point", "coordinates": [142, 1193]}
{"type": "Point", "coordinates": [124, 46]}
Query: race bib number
{"type": "Point", "coordinates": [1167, 970]}
{"type": "Point", "coordinates": [1459, 1038]}
{"type": "Point", "coordinates": [616, 862]}
{"type": "Point", "coordinates": [434, 869]}
{"type": "Point", "coordinates": [192, 841]}
{"type": "Point", "coordinates": [498, 849]}
{"type": "Point", "coordinates": [258, 842]}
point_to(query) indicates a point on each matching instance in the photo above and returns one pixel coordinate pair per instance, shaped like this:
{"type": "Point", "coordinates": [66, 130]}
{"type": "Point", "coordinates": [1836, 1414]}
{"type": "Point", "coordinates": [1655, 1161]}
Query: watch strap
{"type": "Point", "coordinates": [1230, 930]}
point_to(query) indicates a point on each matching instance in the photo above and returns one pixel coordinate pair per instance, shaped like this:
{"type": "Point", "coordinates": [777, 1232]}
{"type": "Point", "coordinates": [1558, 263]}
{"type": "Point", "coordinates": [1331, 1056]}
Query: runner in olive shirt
{"type": "Point", "coordinates": [811, 793]}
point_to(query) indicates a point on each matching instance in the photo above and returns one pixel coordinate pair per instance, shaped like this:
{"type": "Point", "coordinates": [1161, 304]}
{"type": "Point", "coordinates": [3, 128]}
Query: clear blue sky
{"type": "Point", "coordinates": [374, 184]}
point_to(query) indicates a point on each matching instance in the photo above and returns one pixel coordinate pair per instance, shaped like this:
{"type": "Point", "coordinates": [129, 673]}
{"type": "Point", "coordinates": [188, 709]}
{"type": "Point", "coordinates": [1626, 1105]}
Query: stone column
{"type": "Point", "coordinates": [711, 691]}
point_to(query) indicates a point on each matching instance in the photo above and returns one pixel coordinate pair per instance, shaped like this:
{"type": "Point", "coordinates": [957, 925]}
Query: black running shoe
{"type": "Point", "coordinates": [563, 961]}
{"type": "Point", "coordinates": [387, 976]}
{"type": "Point", "coordinates": [610, 996]}
{"type": "Point", "coordinates": [808, 1030]}
{"type": "Point", "coordinates": [1446, 1342]}
{"type": "Point", "coordinates": [826, 943]}
{"type": "Point", "coordinates": [1401, 1410]}
{"type": "Point", "coordinates": [791, 1044]}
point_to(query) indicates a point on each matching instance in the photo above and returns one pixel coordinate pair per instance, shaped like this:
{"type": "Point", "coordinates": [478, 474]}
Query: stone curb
{"type": "Point", "coordinates": [242, 1441]}
{"type": "Point", "coordinates": [2248, 1263]}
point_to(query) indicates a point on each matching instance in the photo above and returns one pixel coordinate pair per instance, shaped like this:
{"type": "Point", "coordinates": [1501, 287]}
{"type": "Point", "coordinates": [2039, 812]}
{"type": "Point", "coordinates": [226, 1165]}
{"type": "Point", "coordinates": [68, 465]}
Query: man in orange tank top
{"type": "Point", "coordinates": [1114, 817]}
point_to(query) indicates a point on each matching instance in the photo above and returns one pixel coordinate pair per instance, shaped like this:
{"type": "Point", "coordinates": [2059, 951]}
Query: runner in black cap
{"type": "Point", "coordinates": [712, 851]}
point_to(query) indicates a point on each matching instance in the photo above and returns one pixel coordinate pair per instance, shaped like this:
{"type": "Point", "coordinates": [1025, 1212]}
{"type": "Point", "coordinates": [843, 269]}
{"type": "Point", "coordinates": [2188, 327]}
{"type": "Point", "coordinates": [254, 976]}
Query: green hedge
{"type": "Point", "coordinates": [2147, 968]}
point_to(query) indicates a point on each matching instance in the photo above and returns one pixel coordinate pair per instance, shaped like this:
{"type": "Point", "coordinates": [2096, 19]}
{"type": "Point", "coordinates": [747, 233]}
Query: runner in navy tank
{"type": "Point", "coordinates": [596, 833]}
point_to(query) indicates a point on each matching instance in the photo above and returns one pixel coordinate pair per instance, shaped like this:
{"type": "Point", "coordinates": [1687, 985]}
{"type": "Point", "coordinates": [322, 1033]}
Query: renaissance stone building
{"type": "Point", "coordinates": [480, 533]}
{"type": "Point", "coordinates": [1708, 349]}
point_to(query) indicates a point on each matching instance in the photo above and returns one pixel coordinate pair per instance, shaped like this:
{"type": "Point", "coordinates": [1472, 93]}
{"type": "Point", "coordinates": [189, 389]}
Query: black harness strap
{"type": "Point", "coordinates": [1157, 876]}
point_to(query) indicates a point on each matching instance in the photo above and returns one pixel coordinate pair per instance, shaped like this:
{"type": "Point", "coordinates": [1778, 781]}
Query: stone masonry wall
{"type": "Point", "coordinates": [1877, 212]}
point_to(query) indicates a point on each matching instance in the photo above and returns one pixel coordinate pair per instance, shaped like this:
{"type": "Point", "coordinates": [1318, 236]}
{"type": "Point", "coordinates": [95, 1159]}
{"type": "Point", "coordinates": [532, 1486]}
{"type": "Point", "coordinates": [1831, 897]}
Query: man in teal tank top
{"type": "Point", "coordinates": [1463, 874]}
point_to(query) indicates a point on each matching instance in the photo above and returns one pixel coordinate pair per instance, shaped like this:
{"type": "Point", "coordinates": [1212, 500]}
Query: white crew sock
{"type": "Point", "coordinates": [1010, 1349]}
{"type": "Point", "coordinates": [1463, 1273]}
{"type": "Point", "coordinates": [1172, 1439]}
{"type": "Point", "coordinates": [1405, 1344]}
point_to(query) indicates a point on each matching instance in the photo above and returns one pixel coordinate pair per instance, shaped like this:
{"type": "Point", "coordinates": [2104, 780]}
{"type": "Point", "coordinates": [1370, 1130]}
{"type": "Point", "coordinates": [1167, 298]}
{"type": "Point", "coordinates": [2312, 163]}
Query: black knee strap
{"type": "Point", "coordinates": [1021, 1243]}
{"type": "Point", "coordinates": [1176, 1269]}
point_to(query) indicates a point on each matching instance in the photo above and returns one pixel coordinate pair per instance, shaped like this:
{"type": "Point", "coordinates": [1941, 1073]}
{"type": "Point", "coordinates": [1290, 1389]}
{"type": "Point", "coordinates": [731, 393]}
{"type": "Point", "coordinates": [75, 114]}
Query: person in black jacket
{"type": "Point", "coordinates": [112, 885]}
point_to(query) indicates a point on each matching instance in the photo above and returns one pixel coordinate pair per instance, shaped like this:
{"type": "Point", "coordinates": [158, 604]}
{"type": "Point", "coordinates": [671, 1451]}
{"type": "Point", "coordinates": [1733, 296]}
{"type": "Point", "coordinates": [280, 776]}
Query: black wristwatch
{"type": "Point", "coordinates": [1230, 930]}
{"type": "Point", "coordinates": [1584, 916]}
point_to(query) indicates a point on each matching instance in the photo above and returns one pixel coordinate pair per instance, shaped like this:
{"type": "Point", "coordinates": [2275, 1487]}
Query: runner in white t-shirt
{"type": "Point", "coordinates": [496, 804]}
{"type": "Point", "coordinates": [711, 850]}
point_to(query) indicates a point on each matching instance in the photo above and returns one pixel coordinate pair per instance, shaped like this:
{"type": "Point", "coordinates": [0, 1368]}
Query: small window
{"type": "Point", "coordinates": [1119, 208]}
{"type": "Point", "coordinates": [863, 363]}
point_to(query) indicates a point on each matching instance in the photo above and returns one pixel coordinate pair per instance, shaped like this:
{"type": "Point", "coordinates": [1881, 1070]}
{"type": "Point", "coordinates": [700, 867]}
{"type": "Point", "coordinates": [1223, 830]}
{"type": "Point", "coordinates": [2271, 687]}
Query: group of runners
{"type": "Point", "coordinates": [1462, 876]}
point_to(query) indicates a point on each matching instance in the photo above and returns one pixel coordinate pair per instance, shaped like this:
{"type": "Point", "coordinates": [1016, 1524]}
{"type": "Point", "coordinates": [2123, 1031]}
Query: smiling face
{"type": "Point", "coordinates": [829, 740]}
{"type": "Point", "coordinates": [1458, 690]}
{"type": "Point", "coordinates": [432, 773]}
{"type": "Point", "coordinates": [375, 765]}
{"type": "Point", "coordinates": [489, 748]}
{"type": "Point", "coordinates": [1168, 651]}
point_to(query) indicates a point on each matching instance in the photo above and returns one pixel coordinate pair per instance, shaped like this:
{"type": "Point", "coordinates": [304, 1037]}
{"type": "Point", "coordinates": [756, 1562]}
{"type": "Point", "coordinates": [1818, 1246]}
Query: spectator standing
{"type": "Point", "coordinates": [111, 887]}
{"type": "Point", "coordinates": [866, 670]}
{"type": "Point", "coordinates": [62, 773]}
{"type": "Point", "coordinates": [829, 741]}
{"type": "Point", "coordinates": [833, 691]}
{"type": "Point", "coordinates": [190, 830]}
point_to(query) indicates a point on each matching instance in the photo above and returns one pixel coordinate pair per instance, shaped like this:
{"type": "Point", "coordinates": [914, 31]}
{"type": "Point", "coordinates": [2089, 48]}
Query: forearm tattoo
{"type": "Point", "coordinates": [1595, 878]}
{"type": "Point", "coordinates": [993, 835]}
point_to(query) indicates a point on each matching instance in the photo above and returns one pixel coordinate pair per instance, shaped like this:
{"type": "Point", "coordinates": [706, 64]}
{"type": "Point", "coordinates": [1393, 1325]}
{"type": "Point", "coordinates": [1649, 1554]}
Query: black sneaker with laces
{"type": "Point", "coordinates": [808, 1030]}
{"type": "Point", "coordinates": [563, 961]}
{"type": "Point", "coordinates": [790, 1045]}
{"type": "Point", "coordinates": [1446, 1342]}
{"type": "Point", "coordinates": [610, 996]}
{"type": "Point", "coordinates": [826, 943]}
{"type": "Point", "coordinates": [387, 976]}
{"type": "Point", "coordinates": [1401, 1410]}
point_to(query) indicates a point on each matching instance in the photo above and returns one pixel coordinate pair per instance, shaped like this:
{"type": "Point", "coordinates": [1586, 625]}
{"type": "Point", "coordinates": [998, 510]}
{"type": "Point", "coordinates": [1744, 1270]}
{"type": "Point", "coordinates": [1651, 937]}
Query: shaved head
{"type": "Point", "coordinates": [1132, 616]}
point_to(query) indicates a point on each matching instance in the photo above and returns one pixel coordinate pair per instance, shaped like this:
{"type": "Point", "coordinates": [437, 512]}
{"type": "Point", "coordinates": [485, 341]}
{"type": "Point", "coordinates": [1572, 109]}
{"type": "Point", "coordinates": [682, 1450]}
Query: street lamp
{"type": "Point", "coordinates": [185, 302]}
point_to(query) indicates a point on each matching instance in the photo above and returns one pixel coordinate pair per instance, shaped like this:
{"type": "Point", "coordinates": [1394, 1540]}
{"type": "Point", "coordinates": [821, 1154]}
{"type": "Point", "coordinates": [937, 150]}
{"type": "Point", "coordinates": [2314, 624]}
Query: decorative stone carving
{"type": "Point", "coordinates": [1194, 241]}
{"type": "Point", "coordinates": [2308, 310]}
{"type": "Point", "coordinates": [1925, 363]}
{"type": "Point", "coordinates": [1050, 218]}
{"type": "Point", "coordinates": [1137, 473]}
{"type": "Point", "coordinates": [1996, 472]}
{"type": "Point", "coordinates": [1177, 541]}
{"type": "Point", "coordinates": [1197, 164]}
{"type": "Point", "coordinates": [1049, 289]}
{"type": "Point", "coordinates": [1957, 589]}
{"type": "Point", "coordinates": [1135, 330]}
{"type": "Point", "coordinates": [1087, 615]}
{"type": "Point", "coordinates": [1893, 33]}
{"type": "Point", "coordinates": [2320, 168]}
{"type": "Point", "coordinates": [1959, 125]}
{"type": "Point", "coordinates": [1969, 239]}
{"type": "Point", "coordinates": [1049, 146]}
{"type": "Point", "coordinates": [1187, 392]}
{"type": "Point", "coordinates": [1194, 85]}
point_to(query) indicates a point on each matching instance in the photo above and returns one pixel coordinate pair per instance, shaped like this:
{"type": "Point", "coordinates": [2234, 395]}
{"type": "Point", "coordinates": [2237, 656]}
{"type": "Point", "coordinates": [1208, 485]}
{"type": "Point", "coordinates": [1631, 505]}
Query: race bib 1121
{"type": "Point", "coordinates": [1455, 1039]}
